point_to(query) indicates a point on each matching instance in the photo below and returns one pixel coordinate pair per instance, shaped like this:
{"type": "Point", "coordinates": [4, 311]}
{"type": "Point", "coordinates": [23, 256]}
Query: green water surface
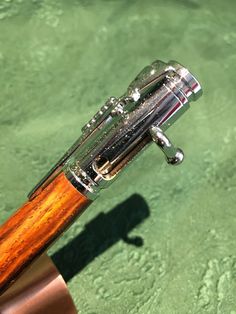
{"type": "Point", "coordinates": [59, 61]}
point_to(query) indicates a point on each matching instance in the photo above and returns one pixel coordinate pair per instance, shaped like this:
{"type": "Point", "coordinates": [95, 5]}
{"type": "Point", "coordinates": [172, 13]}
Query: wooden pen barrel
{"type": "Point", "coordinates": [35, 225]}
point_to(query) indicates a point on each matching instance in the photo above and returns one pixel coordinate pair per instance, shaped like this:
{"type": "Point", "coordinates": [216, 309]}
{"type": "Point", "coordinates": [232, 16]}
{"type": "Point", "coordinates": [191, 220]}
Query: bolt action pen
{"type": "Point", "coordinates": [119, 131]}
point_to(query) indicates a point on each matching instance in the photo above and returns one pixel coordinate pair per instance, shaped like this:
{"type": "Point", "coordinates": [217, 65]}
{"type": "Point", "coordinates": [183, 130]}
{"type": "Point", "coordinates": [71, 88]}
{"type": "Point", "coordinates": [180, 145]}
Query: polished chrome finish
{"type": "Point", "coordinates": [157, 97]}
{"type": "Point", "coordinates": [82, 182]}
{"type": "Point", "coordinates": [174, 156]}
{"type": "Point", "coordinates": [99, 116]}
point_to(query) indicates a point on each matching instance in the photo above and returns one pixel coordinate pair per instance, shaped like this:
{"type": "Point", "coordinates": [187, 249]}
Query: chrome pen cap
{"type": "Point", "coordinates": [124, 126]}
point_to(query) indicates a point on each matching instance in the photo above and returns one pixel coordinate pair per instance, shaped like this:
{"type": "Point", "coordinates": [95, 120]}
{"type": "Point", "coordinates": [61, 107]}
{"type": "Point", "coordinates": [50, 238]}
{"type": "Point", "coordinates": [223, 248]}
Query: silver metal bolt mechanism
{"type": "Point", "coordinates": [124, 126]}
{"type": "Point", "coordinates": [174, 156]}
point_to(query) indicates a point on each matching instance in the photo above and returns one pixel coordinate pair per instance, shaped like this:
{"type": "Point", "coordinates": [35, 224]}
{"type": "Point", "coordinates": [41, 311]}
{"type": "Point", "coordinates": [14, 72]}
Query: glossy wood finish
{"type": "Point", "coordinates": [35, 225]}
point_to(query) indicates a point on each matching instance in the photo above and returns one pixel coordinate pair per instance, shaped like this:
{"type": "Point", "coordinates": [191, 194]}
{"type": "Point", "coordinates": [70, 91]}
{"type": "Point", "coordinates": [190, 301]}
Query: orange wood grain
{"type": "Point", "coordinates": [30, 231]}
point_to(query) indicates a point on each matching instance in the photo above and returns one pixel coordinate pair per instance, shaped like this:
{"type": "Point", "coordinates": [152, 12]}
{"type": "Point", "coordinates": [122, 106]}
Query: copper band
{"type": "Point", "coordinates": [40, 289]}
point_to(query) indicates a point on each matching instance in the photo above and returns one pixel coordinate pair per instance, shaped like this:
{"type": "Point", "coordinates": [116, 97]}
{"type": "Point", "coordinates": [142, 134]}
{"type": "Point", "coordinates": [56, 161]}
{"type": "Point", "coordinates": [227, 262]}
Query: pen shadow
{"type": "Point", "coordinates": [100, 234]}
